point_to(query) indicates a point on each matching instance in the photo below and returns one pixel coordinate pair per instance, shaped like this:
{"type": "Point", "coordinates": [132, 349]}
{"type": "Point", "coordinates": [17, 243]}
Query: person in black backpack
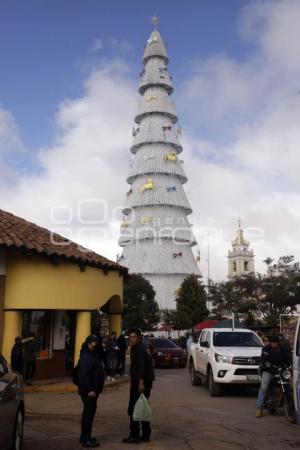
{"type": "Point", "coordinates": [141, 378]}
{"type": "Point", "coordinates": [90, 380]}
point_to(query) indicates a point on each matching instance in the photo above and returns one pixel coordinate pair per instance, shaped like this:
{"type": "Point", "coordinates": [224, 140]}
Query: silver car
{"type": "Point", "coordinates": [12, 408]}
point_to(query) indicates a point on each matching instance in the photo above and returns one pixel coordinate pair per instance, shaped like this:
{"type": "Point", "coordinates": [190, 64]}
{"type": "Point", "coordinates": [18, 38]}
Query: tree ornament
{"type": "Point", "coordinates": [148, 185]}
{"type": "Point", "coordinates": [165, 128]}
{"type": "Point", "coordinates": [150, 98]}
{"type": "Point", "coordinates": [145, 220]}
{"type": "Point", "coordinates": [175, 255]}
{"type": "Point", "coordinates": [147, 157]}
{"type": "Point", "coordinates": [135, 131]}
{"type": "Point", "coordinates": [124, 224]}
{"type": "Point", "coordinates": [171, 156]}
{"type": "Point", "coordinates": [171, 189]}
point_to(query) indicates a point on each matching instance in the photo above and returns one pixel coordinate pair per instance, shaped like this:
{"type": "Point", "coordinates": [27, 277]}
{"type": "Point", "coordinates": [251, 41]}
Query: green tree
{"type": "Point", "coordinates": [277, 292]}
{"type": "Point", "coordinates": [140, 308]}
{"type": "Point", "coordinates": [280, 288]}
{"type": "Point", "coordinates": [190, 303]}
{"type": "Point", "coordinates": [239, 295]}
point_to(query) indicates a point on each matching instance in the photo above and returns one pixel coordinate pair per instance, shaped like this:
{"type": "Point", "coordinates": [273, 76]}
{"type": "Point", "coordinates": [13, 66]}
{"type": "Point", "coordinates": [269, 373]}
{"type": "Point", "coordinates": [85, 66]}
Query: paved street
{"type": "Point", "coordinates": [185, 417]}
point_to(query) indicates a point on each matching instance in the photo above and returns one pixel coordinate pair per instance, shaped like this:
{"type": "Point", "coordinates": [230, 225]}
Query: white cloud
{"type": "Point", "coordinates": [253, 107]}
{"type": "Point", "coordinates": [88, 160]}
{"type": "Point", "coordinates": [9, 134]}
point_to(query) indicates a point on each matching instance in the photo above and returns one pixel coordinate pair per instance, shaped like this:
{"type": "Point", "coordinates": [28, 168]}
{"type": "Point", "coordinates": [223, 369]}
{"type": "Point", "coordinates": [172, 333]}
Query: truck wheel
{"type": "Point", "coordinates": [195, 380]}
{"type": "Point", "coordinates": [215, 389]}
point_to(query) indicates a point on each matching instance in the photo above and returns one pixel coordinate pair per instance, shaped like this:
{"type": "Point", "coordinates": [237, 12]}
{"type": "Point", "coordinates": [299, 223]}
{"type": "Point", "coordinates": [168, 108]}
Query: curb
{"type": "Point", "coordinates": [62, 388]}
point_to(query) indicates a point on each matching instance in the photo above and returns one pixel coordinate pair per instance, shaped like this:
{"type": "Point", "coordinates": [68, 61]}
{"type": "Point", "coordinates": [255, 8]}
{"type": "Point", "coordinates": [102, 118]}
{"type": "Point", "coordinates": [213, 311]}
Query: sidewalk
{"type": "Point", "coordinates": [63, 385]}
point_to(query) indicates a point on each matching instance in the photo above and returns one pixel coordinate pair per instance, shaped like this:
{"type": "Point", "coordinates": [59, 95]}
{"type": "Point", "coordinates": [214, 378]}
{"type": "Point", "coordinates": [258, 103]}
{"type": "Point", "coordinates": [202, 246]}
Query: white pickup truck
{"type": "Point", "coordinates": [223, 356]}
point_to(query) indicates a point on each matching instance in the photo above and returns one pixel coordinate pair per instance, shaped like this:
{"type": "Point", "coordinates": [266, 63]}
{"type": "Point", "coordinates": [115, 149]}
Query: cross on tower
{"type": "Point", "coordinates": [154, 20]}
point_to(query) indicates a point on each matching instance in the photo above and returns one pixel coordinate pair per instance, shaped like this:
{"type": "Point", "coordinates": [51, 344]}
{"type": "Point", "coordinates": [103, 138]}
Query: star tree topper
{"type": "Point", "coordinates": [154, 20]}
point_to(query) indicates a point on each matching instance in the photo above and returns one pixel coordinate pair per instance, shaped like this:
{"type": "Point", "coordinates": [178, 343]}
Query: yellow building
{"type": "Point", "coordinates": [50, 286]}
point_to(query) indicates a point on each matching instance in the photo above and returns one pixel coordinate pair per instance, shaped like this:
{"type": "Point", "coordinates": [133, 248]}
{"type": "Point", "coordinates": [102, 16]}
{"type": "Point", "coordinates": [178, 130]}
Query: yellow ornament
{"type": "Point", "coordinates": [171, 156]}
{"type": "Point", "coordinates": [148, 185]}
{"type": "Point", "coordinates": [150, 98]}
{"type": "Point", "coordinates": [124, 224]}
{"type": "Point", "coordinates": [145, 220]}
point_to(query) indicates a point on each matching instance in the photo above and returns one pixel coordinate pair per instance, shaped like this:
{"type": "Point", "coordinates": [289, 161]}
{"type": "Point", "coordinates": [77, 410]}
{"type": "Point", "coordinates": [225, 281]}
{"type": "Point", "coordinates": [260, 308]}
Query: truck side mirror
{"type": "Point", "coordinates": [204, 344]}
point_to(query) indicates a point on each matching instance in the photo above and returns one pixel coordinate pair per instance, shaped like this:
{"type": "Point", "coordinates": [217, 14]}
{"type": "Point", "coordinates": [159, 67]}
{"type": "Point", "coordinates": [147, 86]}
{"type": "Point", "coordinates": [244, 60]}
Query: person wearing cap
{"type": "Point", "coordinates": [272, 354]}
{"type": "Point", "coordinates": [90, 377]}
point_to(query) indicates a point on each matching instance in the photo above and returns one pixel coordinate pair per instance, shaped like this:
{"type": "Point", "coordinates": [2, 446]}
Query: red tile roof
{"type": "Point", "coordinates": [21, 234]}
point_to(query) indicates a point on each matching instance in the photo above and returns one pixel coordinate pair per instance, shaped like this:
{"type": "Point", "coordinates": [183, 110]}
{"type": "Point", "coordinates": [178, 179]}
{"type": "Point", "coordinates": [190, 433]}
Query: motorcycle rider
{"type": "Point", "coordinates": [272, 354]}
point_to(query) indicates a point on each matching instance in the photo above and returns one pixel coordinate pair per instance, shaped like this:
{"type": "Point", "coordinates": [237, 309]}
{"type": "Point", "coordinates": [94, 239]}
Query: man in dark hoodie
{"type": "Point", "coordinates": [90, 378]}
{"type": "Point", "coordinates": [141, 378]}
{"type": "Point", "coordinates": [17, 356]}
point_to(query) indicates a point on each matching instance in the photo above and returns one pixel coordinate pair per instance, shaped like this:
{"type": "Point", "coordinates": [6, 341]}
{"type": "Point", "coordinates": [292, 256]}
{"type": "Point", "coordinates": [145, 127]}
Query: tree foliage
{"type": "Point", "coordinates": [261, 296]}
{"type": "Point", "coordinates": [190, 304]}
{"type": "Point", "coordinates": [140, 308]}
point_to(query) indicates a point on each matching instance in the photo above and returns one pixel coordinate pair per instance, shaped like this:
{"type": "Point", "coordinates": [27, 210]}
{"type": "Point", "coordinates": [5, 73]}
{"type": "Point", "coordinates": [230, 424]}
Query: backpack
{"type": "Point", "coordinates": [75, 375]}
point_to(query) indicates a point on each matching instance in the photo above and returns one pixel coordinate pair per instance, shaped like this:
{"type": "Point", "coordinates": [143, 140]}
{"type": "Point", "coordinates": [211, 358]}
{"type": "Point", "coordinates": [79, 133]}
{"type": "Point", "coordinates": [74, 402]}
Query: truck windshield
{"type": "Point", "coordinates": [236, 339]}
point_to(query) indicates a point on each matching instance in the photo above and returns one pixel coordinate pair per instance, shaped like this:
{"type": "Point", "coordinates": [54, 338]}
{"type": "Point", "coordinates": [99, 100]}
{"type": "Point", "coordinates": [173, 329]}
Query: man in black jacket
{"type": "Point", "coordinates": [90, 377]}
{"type": "Point", "coordinates": [141, 377]}
{"type": "Point", "coordinates": [272, 355]}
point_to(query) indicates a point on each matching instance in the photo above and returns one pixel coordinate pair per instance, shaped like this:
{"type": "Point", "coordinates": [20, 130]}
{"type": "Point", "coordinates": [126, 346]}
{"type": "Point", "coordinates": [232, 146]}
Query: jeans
{"type": "Point", "coordinates": [135, 426]}
{"type": "Point", "coordinates": [87, 418]}
{"type": "Point", "coordinates": [121, 362]}
{"type": "Point", "coordinates": [266, 379]}
{"type": "Point", "coordinates": [111, 365]}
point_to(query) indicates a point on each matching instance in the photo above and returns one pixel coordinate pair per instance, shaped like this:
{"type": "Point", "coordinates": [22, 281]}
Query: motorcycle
{"type": "Point", "coordinates": [280, 393]}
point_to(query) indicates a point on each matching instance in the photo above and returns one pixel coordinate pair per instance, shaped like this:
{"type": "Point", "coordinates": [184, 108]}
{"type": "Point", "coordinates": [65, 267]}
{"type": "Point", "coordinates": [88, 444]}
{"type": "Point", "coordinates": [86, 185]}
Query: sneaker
{"type": "Point", "coordinates": [145, 439]}
{"type": "Point", "coordinates": [131, 440]}
{"type": "Point", "coordinates": [108, 378]}
{"type": "Point", "coordinates": [259, 413]}
{"type": "Point", "coordinates": [112, 379]}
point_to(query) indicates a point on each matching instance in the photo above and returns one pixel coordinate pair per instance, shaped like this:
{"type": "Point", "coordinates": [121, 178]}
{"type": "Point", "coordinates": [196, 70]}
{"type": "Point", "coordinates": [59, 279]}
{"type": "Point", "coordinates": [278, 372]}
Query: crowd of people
{"type": "Point", "coordinates": [105, 358]}
{"type": "Point", "coordinates": [111, 350]}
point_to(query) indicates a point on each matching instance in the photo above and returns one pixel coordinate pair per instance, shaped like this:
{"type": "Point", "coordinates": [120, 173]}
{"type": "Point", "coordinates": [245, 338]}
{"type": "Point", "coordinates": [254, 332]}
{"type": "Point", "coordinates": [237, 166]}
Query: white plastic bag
{"type": "Point", "coordinates": [142, 411]}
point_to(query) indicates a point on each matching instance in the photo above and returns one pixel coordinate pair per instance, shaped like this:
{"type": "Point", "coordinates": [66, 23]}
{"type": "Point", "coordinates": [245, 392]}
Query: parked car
{"type": "Point", "coordinates": [12, 408]}
{"type": "Point", "coordinates": [165, 353]}
{"type": "Point", "coordinates": [225, 356]}
{"type": "Point", "coordinates": [296, 372]}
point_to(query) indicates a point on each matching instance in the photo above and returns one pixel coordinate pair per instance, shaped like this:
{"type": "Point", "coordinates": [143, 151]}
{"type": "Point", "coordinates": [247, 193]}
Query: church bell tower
{"type": "Point", "coordinates": [241, 257]}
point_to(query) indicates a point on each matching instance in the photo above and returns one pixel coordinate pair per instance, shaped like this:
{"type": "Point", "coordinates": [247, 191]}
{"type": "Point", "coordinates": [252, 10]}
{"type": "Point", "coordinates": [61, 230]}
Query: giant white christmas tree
{"type": "Point", "coordinates": [155, 232]}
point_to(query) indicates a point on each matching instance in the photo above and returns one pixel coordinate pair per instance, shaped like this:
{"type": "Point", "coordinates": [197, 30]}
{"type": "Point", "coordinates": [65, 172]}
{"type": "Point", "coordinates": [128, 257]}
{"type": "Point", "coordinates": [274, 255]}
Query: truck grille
{"type": "Point", "coordinates": [246, 361]}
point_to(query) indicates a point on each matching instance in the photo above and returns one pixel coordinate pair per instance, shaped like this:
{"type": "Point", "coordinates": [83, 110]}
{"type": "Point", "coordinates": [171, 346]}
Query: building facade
{"type": "Point", "coordinates": [240, 257]}
{"type": "Point", "coordinates": [156, 235]}
{"type": "Point", "coordinates": [49, 287]}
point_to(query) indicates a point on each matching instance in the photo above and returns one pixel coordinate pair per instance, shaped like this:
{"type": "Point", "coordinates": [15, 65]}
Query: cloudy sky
{"type": "Point", "coordinates": [68, 95]}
